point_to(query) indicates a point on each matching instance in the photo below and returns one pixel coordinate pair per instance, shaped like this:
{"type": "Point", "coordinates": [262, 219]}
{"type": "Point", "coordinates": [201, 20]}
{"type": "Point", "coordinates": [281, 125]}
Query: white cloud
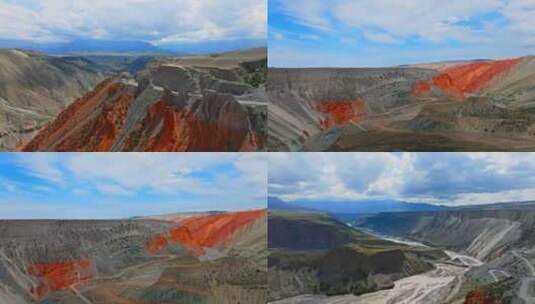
{"type": "Point", "coordinates": [389, 21]}
{"type": "Point", "coordinates": [445, 178]}
{"type": "Point", "coordinates": [308, 12]}
{"type": "Point", "coordinates": [163, 21]}
{"type": "Point", "coordinates": [380, 37]}
{"type": "Point", "coordinates": [44, 166]}
{"type": "Point", "coordinates": [521, 13]}
{"type": "Point", "coordinates": [112, 189]}
{"type": "Point", "coordinates": [7, 185]}
{"type": "Point", "coordinates": [242, 175]}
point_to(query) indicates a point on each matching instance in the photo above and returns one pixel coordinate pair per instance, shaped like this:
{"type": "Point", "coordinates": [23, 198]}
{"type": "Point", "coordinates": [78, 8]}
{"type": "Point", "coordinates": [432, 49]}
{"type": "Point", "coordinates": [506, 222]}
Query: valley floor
{"type": "Point", "coordinates": [440, 284]}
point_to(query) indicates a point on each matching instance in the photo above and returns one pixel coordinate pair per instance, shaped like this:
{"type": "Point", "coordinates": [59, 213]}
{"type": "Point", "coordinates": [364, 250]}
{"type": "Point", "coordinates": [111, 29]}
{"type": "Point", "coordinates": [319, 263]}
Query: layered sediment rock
{"type": "Point", "coordinates": [167, 108]}
{"type": "Point", "coordinates": [392, 108]}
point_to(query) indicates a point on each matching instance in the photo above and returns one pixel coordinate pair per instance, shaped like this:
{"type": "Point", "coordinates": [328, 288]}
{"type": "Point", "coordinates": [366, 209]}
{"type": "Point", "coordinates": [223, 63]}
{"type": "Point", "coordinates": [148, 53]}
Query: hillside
{"type": "Point", "coordinates": [276, 204]}
{"type": "Point", "coordinates": [311, 253]}
{"type": "Point", "coordinates": [34, 88]}
{"type": "Point", "coordinates": [138, 261]}
{"type": "Point", "coordinates": [502, 237]}
{"type": "Point", "coordinates": [212, 103]}
{"type": "Point", "coordinates": [458, 106]}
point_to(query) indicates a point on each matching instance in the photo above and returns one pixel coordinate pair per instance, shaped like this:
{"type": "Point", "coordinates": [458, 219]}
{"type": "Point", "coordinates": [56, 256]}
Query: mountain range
{"type": "Point", "coordinates": [103, 46]}
{"type": "Point", "coordinates": [351, 207]}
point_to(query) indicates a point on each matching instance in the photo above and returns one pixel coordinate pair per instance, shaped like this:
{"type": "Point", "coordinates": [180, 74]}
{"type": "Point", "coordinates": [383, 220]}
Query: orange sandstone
{"type": "Point", "coordinates": [341, 112]}
{"type": "Point", "coordinates": [57, 276]}
{"type": "Point", "coordinates": [204, 231]}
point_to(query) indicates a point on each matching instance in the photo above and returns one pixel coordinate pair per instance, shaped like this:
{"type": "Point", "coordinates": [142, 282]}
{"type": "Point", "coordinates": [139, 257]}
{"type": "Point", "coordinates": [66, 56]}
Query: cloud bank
{"type": "Point", "coordinates": [160, 22]}
{"type": "Point", "coordinates": [440, 178]}
{"type": "Point", "coordinates": [395, 29]}
{"type": "Point", "coordinates": [104, 185]}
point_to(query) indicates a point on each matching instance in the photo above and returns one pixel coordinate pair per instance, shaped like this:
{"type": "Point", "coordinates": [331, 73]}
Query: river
{"type": "Point", "coordinates": [436, 286]}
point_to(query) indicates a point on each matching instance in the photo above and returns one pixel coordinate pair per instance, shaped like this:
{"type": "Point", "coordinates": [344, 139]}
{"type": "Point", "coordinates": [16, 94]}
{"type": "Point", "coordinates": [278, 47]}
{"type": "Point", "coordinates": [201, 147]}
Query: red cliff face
{"type": "Point", "coordinates": [167, 128]}
{"type": "Point", "coordinates": [459, 80]}
{"type": "Point", "coordinates": [199, 232]}
{"type": "Point", "coordinates": [90, 124]}
{"type": "Point", "coordinates": [479, 297]}
{"type": "Point", "coordinates": [97, 122]}
{"type": "Point", "coordinates": [157, 243]}
{"type": "Point", "coordinates": [57, 276]}
{"type": "Point", "coordinates": [338, 113]}
{"type": "Point", "coordinates": [420, 88]}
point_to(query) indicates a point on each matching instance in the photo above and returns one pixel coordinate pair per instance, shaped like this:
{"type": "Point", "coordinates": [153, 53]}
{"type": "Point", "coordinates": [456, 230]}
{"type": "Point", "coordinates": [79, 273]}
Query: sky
{"type": "Point", "coordinates": [453, 179]}
{"type": "Point", "coordinates": [377, 33]}
{"type": "Point", "coordinates": [120, 185]}
{"type": "Point", "coordinates": [161, 22]}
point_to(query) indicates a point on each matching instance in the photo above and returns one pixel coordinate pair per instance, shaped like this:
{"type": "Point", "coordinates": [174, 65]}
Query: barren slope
{"type": "Point", "coordinates": [502, 237]}
{"type": "Point", "coordinates": [124, 261]}
{"type": "Point", "coordinates": [456, 106]}
{"type": "Point", "coordinates": [34, 88]}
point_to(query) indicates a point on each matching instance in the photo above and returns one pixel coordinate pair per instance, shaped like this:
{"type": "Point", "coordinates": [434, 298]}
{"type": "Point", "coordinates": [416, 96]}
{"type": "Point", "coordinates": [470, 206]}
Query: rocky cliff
{"type": "Point", "coordinates": [169, 106]}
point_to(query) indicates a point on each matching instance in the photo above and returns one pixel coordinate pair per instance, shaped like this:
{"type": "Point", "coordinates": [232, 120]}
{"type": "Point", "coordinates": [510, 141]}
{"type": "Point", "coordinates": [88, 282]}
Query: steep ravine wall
{"type": "Point", "coordinates": [39, 257]}
{"type": "Point", "coordinates": [484, 234]}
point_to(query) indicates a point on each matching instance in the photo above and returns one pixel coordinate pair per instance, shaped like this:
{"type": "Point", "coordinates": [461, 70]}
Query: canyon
{"type": "Point", "coordinates": [314, 257]}
{"type": "Point", "coordinates": [472, 254]}
{"type": "Point", "coordinates": [452, 106]}
{"type": "Point", "coordinates": [134, 103]}
{"type": "Point", "coordinates": [210, 257]}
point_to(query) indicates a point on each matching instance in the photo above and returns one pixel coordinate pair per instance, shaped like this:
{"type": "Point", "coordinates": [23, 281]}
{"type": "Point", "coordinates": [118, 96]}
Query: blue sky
{"type": "Point", "coordinates": [118, 185]}
{"type": "Point", "coordinates": [438, 178]}
{"type": "Point", "coordinates": [371, 33]}
{"type": "Point", "coordinates": [161, 22]}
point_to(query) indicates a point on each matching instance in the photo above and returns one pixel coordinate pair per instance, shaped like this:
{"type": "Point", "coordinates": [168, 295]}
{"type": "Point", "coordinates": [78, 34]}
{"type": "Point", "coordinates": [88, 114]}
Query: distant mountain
{"type": "Point", "coordinates": [216, 46]}
{"type": "Point", "coordinates": [106, 46]}
{"type": "Point", "coordinates": [83, 46]}
{"type": "Point", "coordinates": [79, 46]}
{"type": "Point", "coordinates": [528, 205]}
{"type": "Point", "coordinates": [278, 204]}
{"type": "Point", "coordinates": [367, 206]}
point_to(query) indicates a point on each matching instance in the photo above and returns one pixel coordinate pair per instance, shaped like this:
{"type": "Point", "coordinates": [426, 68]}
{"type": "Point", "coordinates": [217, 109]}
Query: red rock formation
{"type": "Point", "coordinates": [479, 297]}
{"type": "Point", "coordinates": [157, 243]}
{"type": "Point", "coordinates": [173, 129]}
{"type": "Point", "coordinates": [341, 112]}
{"type": "Point", "coordinates": [57, 276]}
{"type": "Point", "coordinates": [420, 88]}
{"type": "Point", "coordinates": [472, 77]}
{"type": "Point", "coordinates": [462, 79]}
{"type": "Point", "coordinates": [205, 231]}
{"type": "Point", "coordinates": [95, 122]}
{"type": "Point", "coordinates": [90, 124]}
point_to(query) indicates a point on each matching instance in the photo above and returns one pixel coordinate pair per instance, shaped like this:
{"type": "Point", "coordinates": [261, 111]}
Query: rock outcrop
{"type": "Point", "coordinates": [166, 108]}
